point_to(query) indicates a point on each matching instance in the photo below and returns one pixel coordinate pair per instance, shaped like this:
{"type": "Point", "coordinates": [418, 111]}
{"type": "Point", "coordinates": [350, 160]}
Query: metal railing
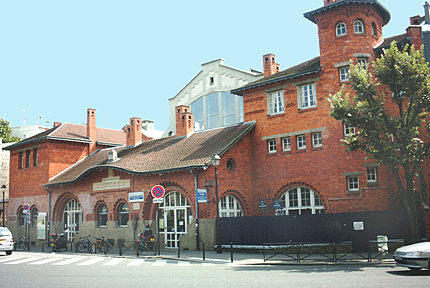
{"type": "Point", "coordinates": [330, 252]}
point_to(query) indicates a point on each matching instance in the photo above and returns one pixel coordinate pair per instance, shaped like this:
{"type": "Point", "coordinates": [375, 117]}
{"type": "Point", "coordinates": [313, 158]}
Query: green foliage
{"type": "Point", "coordinates": [5, 132]}
{"type": "Point", "coordinates": [390, 108]}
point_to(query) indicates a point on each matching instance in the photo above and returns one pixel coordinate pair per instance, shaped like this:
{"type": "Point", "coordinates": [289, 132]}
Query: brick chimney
{"type": "Point", "coordinates": [328, 2]}
{"type": "Point", "coordinates": [184, 121]}
{"type": "Point", "coordinates": [134, 132]}
{"type": "Point", "coordinates": [91, 129]}
{"type": "Point", "coordinates": [270, 65]}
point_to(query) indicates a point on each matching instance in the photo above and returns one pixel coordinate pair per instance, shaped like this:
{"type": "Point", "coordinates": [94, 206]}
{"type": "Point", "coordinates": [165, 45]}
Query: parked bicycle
{"type": "Point", "coordinates": [21, 244]}
{"type": "Point", "coordinates": [101, 244]}
{"type": "Point", "coordinates": [85, 245]}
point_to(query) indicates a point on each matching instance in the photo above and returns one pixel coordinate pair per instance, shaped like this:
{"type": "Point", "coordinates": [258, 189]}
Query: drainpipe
{"type": "Point", "coordinates": [49, 215]}
{"type": "Point", "coordinates": [197, 212]}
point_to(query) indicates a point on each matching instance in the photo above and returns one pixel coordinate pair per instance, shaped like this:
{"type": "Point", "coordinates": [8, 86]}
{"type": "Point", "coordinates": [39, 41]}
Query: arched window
{"type": "Point", "coordinates": [102, 215]}
{"type": "Point", "coordinates": [34, 213]}
{"type": "Point", "coordinates": [340, 29]}
{"type": "Point", "coordinates": [374, 29]}
{"type": "Point", "coordinates": [299, 201]}
{"type": "Point", "coordinates": [358, 27]}
{"type": "Point", "coordinates": [229, 206]}
{"type": "Point", "coordinates": [21, 217]}
{"type": "Point", "coordinates": [123, 214]}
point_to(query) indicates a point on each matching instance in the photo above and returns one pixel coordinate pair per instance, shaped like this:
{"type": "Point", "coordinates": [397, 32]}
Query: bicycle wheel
{"type": "Point", "coordinates": [92, 248]}
{"type": "Point", "coordinates": [81, 247]}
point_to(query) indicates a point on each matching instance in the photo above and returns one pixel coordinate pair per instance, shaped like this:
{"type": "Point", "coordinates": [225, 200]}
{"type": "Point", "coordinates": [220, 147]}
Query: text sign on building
{"type": "Point", "coordinates": [202, 195]}
{"type": "Point", "coordinates": [136, 197]}
{"type": "Point", "coordinates": [111, 183]}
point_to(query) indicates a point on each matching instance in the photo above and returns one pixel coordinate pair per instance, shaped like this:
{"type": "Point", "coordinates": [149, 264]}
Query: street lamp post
{"type": "Point", "coordinates": [215, 161]}
{"type": "Point", "coordinates": [3, 187]}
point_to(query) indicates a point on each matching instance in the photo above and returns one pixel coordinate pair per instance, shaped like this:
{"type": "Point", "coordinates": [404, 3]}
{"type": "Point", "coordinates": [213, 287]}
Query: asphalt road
{"type": "Point", "coordinates": [53, 270]}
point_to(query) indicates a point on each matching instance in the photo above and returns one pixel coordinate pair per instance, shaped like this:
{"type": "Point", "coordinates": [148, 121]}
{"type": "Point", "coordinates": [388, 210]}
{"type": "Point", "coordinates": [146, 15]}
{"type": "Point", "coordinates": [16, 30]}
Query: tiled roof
{"type": "Point", "coordinates": [308, 67]}
{"type": "Point", "coordinates": [76, 133]}
{"type": "Point", "coordinates": [401, 39]}
{"type": "Point", "coordinates": [160, 155]}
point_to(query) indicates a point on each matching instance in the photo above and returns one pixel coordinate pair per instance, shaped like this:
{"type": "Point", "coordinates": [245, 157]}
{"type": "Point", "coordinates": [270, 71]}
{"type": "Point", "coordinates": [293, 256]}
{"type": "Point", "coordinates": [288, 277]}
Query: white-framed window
{"type": "Point", "coordinates": [348, 130]}
{"type": "Point", "coordinates": [358, 27]}
{"type": "Point", "coordinates": [102, 215]}
{"type": "Point", "coordinates": [344, 74]}
{"type": "Point", "coordinates": [307, 96]}
{"type": "Point", "coordinates": [371, 174]}
{"type": "Point", "coordinates": [300, 201]}
{"type": "Point", "coordinates": [286, 144]}
{"type": "Point", "coordinates": [229, 206]}
{"type": "Point", "coordinates": [340, 29]}
{"type": "Point", "coordinates": [34, 213]}
{"type": "Point", "coordinates": [276, 103]}
{"type": "Point", "coordinates": [301, 142]}
{"type": "Point", "coordinates": [364, 62]}
{"type": "Point", "coordinates": [22, 217]}
{"type": "Point", "coordinates": [123, 214]}
{"type": "Point", "coordinates": [271, 144]}
{"type": "Point", "coordinates": [353, 184]}
{"type": "Point", "coordinates": [316, 139]}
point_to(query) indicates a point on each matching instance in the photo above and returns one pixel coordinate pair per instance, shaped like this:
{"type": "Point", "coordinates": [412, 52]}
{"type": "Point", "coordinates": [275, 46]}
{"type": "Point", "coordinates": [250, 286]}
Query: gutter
{"type": "Point", "coordinates": [287, 77]}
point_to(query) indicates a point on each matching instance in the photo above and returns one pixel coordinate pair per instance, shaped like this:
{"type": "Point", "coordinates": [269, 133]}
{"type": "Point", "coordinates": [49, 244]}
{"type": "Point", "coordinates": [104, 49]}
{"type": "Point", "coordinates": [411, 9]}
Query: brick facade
{"type": "Point", "coordinates": [254, 166]}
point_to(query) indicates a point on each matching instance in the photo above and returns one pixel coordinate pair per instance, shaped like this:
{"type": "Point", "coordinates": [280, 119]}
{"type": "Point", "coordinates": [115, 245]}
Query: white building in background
{"type": "Point", "coordinates": [148, 129]}
{"type": "Point", "coordinates": [208, 95]}
{"type": "Point", "coordinates": [24, 132]}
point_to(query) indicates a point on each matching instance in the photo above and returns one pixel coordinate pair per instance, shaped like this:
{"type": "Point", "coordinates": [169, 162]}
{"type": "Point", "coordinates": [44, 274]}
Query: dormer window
{"type": "Point", "coordinates": [340, 29]}
{"type": "Point", "coordinates": [358, 27]}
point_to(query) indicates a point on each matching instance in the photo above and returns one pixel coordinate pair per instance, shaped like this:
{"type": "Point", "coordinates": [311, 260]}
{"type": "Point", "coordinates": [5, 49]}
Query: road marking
{"type": "Point", "coordinates": [25, 260]}
{"type": "Point", "coordinates": [45, 261]}
{"type": "Point", "coordinates": [91, 261]}
{"type": "Point", "coordinates": [136, 262]}
{"type": "Point", "coordinates": [68, 261]}
{"type": "Point", "coordinates": [8, 259]}
{"type": "Point", "coordinates": [113, 262]}
{"type": "Point", "coordinates": [208, 264]}
{"type": "Point", "coordinates": [159, 263]}
{"type": "Point", "coordinates": [184, 263]}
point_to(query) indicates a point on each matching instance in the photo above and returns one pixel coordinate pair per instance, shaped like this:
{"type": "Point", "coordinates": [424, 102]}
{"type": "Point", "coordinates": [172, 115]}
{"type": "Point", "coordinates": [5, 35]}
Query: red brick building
{"type": "Point", "coordinates": [288, 146]}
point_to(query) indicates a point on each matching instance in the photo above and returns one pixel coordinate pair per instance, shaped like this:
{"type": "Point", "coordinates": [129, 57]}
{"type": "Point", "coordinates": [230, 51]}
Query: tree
{"type": "Point", "coordinates": [6, 131]}
{"type": "Point", "coordinates": [390, 110]}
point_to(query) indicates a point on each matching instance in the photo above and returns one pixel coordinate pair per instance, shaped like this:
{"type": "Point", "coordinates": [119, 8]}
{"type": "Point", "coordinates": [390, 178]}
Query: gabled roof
{"type": "Point", "coordinates": [161, 155]}
{"type": "Point", "coordinates": [76, 133]}
{"type": "Point", "coordinates": [305, 68]}
{"type": "Point", "coordinates": [384, 12]}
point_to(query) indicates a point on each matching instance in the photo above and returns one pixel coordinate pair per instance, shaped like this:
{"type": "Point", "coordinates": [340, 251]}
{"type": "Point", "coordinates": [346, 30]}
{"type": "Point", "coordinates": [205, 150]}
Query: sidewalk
{"type": "Point", "coordinates": [239, 258]}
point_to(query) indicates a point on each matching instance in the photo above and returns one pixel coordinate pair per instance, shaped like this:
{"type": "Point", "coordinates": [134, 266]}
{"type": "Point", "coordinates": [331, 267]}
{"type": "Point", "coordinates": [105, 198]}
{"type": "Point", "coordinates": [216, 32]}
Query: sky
{"type": "Point", "coordinates": [127, 58]}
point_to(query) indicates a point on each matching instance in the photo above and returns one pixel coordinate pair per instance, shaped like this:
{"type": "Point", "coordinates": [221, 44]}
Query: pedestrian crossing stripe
{"type": "Point", "coordinates": [25, 260]}
{"type": "Point", "coordinates": [113, 262]}
{"type": "Point", "coordinates": [45, 261]}
{"type": "Point", "coordinates": [90, 262]}
{"type": "Point", "coordinates": [68, 261]}
{"type": "Point", "coordinates": [136, 262]}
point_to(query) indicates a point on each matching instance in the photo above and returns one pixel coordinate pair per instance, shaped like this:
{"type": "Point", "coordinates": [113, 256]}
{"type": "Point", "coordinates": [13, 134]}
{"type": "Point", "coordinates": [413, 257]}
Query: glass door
{"type": "Point", "coordinates": [72, 218]}
{"type": "Point", "coordinates": [175, 214]}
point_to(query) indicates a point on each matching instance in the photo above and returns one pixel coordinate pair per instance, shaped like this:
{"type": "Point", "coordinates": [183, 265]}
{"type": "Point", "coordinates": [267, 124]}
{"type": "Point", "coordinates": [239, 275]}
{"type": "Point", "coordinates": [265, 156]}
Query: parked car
{"type": "Point", "coordinates": [6, 240]}
{"type": "Point", "coordinates": [415, 256]}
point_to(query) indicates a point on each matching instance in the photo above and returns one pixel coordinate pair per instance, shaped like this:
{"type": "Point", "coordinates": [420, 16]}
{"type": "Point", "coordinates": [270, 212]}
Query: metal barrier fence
{"type": "Point", "coordinates": [330, 252]}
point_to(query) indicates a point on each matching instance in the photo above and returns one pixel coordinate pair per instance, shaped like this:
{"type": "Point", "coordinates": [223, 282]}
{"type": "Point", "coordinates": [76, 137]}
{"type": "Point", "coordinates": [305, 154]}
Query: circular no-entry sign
{"type": "Point", "coordinates": [158, 191]}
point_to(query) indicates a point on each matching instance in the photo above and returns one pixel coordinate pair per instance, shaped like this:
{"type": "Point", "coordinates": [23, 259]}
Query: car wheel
{"type": "Point", "coordinates": [414, 269]}
{"type": "Point", "coordinates": [9, 252]}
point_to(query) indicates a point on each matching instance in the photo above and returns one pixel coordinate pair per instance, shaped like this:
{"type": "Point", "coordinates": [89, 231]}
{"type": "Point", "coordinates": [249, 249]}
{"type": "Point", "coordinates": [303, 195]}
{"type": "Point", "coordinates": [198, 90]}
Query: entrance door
{"type": "Point", "coordinates": [176, 212]}
{"type": "Point", "coordinates": [72, 218]}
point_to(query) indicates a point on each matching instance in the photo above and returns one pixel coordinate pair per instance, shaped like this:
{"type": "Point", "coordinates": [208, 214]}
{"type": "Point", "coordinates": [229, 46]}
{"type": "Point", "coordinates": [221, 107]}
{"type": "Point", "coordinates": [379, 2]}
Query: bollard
{"type": "Point", "coordinates": [120, 247]}
{"type": "Point", "coordinates": [204, 252]}
{"type": "Point", "coordinates": [179, 249]}
{"type": "Point", "coordinates": [231, 251]}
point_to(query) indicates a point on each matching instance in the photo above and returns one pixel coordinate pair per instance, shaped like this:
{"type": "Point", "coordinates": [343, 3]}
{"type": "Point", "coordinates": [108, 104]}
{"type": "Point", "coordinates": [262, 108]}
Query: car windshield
{"type": "Point", "coordinates": [4, 232]}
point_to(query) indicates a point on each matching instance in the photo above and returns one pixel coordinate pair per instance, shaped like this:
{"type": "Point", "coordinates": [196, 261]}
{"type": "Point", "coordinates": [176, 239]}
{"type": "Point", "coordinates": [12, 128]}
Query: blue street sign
{"type": "Point", "coordinates": [202, 195]}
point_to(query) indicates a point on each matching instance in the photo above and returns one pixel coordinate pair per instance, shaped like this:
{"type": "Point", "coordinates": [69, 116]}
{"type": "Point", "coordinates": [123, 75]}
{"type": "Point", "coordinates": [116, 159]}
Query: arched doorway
{"type": "Point", "coordinates": [72, 218]}
{"type": "Point", "coordinates": [175, 212]}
